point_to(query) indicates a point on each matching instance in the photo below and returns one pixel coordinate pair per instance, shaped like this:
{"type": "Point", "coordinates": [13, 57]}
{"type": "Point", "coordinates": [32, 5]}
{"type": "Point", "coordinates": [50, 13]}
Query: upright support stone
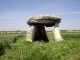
{"type": "Point", "coordinates": [57, 35]}
{"type": "Point", "coordinates": [30, 33]}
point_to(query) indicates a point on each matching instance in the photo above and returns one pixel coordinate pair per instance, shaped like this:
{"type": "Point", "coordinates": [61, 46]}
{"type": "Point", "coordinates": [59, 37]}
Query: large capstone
{"type": "Point", "coordinates": [46, 20]}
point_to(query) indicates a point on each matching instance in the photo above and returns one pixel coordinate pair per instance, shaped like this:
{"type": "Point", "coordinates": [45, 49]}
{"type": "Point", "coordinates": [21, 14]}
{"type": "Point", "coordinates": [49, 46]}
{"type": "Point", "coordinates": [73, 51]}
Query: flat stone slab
{"type": "Point", "coordinates": [46, 20]}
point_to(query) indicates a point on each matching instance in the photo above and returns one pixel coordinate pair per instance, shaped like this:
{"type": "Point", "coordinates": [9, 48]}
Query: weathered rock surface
{"type": "Point", "coordinates": [46, 20]}
{"type": "Point", "coordinates": [30, 33]}
{"type": "Point", "coordinates": [57, 35]}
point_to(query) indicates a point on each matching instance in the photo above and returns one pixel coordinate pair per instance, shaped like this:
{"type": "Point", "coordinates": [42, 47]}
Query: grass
{"type": "Point", "coordinates": [68, 49]}
{"type": "Point", "coordinates": [6, 40]}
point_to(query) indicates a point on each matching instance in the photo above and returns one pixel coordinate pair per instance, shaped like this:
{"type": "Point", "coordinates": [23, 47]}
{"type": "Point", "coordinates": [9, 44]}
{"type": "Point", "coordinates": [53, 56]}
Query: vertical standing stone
{"type": "Point", "coordinates": [57, 35]}
{"type": "Point", "coordinates": [30, 33]}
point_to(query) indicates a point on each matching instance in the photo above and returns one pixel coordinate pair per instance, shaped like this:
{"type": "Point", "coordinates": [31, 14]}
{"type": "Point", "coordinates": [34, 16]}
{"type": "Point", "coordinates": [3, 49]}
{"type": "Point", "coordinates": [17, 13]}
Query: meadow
{"type": "Point", "coordinates": [19, 49]}
{"type": "Point", "coordinates": [6, 40]}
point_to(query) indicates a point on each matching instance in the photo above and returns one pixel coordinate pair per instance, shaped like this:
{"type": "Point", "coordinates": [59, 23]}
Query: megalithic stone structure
{"type": "Point", "coordinates": [37, 31]}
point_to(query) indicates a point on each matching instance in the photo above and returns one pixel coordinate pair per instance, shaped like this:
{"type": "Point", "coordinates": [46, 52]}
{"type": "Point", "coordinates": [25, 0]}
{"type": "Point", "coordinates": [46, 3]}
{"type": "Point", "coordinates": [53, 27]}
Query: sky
{"type": "Point", "coordinates": [15, 13]}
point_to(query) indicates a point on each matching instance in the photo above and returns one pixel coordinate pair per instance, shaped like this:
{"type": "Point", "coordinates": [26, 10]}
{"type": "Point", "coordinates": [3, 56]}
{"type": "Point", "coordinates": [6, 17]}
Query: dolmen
{"type": "Point", "coordinates": [36, 31]}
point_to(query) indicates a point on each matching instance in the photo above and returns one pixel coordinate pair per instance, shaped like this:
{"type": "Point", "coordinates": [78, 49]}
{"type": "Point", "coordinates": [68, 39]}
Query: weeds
{"type": "Point", "coordinates": [5, 43]}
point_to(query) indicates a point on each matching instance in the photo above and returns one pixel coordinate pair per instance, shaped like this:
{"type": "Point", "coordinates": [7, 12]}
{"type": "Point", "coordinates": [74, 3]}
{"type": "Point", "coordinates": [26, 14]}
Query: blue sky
{"type": "Point", "coordinates": [14, 13]}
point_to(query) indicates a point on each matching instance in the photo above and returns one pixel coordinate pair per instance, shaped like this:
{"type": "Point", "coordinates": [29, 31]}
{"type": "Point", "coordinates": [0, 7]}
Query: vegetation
{"type": "Point", "coordinates": [68, 49]}
{"type": "Point", "coordinates": [6, 40]}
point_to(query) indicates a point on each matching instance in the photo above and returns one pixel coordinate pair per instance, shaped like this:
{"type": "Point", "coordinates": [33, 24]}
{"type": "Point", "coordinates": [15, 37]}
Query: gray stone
{"type": "Point", "coordinates": [46, 20]}
{"type": "Point", "coordinates": [57, 35]}
{"type": "Point", "coordinates": [30, 33]}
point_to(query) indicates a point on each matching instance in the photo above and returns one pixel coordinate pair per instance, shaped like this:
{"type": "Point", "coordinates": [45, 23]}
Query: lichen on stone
{"type": "Point", "coordinates": [45, 17]}
{"type": "Point", "coordinates": [46, 20]}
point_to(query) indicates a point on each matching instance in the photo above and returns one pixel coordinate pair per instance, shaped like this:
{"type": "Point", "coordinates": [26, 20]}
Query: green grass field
{"type": "Point", "coordinates": [6, 40]}
{"type": "Point", "coordinates": [68, 49]}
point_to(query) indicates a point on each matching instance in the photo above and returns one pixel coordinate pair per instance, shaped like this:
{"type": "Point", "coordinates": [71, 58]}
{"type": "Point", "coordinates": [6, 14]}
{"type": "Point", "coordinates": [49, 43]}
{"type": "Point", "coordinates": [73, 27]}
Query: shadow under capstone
{"type": "Point", "coordinates": [40, 34]}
